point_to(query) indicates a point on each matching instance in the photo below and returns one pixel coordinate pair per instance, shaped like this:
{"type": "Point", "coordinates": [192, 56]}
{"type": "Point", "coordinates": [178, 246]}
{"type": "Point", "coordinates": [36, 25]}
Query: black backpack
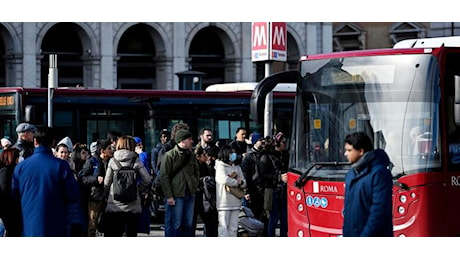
{"type": "Point", "coordinates": [125, 182]}
{"type": "Point", "coordinates": [208, 187]}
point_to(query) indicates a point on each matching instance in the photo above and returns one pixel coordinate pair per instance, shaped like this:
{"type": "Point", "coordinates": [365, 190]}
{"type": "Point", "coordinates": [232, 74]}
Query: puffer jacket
{"type": "Point", "coordinates": [224, 199]}
{"type": "Point", "coordinates": [368, 197]}
{"type": "Point", "coordinates": [144, 181]}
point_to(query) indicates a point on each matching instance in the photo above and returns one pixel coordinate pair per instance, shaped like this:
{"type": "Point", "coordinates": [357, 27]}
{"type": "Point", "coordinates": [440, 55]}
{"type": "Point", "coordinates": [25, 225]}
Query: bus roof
{"type": "Point", "coordinates": [362, 53]}
{"type": "Point", "coordinates": [248, 86]}
{"type": "Point", "coordinates": [436, 42]}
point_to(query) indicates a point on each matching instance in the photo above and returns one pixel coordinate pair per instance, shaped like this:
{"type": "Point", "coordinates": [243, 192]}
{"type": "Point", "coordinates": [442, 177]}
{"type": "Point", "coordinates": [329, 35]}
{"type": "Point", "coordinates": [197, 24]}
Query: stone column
{"type": "Point", "coordinates": [30, 56]}
{"type": "Point", "coordinates": [247, 66]}
{"type": "Point", "coordinates": [179, 53]}
{"type": "Point", "coordinates": [108, 78]}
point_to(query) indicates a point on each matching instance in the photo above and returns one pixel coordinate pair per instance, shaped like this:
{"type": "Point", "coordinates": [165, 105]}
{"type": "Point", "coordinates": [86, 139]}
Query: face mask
{"type": "Point", "coordinates": [233, 157]}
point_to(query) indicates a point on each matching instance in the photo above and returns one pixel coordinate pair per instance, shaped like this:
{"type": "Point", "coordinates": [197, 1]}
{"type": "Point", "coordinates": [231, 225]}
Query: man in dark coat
{"type": "Point", "coordinates": [45, 186]}
{"type": "Point", "coordinates": [179, 176]}
{"type": "Point", "coordinates": [25, 142]}
{"type": "Point", "coordinates": [368, 190]}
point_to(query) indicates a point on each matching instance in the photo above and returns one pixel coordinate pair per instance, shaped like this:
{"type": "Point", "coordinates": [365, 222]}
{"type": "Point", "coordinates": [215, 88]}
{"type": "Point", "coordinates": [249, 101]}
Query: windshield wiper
{"type": "Point", "coordinates": [399, 184]}
{"type": "Point", "coordinates": [302, 180]}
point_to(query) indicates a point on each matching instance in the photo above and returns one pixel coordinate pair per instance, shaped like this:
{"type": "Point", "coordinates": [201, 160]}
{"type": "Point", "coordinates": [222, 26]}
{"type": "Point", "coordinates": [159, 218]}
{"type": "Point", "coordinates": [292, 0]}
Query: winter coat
{"type": "Point", "coordinates": [93, 168]}
{"type": "Point", "coordinates": [187, 178]}
{"type": "Point", "coordinates": [224, 199]}
{"type": "Point", "coordinates": [368, 197]}
{"type": "Point", "coordinates": [125, 158]}
{"type": "Point", "coordinates": [259, 171]}
{"type": "Point", "coordinates": [154, 158]}
{"type": "Point", "coordinates": [26, 149]}
{"type": "Point", "coordinates": [45, 186]}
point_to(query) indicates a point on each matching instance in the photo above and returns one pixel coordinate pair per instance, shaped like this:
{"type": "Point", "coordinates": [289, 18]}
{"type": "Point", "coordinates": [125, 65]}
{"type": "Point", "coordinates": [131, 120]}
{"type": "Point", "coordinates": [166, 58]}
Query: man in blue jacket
{"type": "Point", "coordinates": [368, 190]}
{"type": "Point", "coordinates": [44, 186]}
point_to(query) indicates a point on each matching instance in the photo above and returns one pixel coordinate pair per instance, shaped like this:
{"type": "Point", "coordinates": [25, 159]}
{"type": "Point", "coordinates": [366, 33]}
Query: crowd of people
{"type": "Point", "coordinates": [58, 188]}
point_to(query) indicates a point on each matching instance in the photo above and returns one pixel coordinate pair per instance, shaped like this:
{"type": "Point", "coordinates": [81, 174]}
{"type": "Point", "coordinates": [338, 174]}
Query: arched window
{"type": "Point", "coordinates": [207, 55]}
{"type": "Point", "coordinates": [62, 39]}
{"type": "Point", "coordinates": [136, 67]}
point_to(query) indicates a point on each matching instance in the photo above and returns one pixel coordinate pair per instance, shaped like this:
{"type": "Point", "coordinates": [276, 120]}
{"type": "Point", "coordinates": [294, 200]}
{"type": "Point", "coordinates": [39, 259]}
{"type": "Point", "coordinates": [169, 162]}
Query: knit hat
{"type": "Point", "coordinates": [137, 139]}
{"type": "Point", "coordinates": [25, 127]}
{"type": "Point", "coordinates": [278, 137]}
{"type": "Point", "coordinates": [93, 147]}
{"type": "Point", "coordinates": [66, 140]}
{"type": "Point", "coordinates": [181, 135]}
{"type": "Point", "coordinates": [5, 142]}
{"type": "Point", "coordinates": [256, 137]}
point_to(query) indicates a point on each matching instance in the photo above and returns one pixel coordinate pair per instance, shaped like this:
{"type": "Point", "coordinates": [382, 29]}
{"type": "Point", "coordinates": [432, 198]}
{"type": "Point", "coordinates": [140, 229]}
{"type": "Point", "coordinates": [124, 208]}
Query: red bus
{"type": "Point", "coordinates": [408, 100]}
{"type": "Point", "coordinates": [88, 114]}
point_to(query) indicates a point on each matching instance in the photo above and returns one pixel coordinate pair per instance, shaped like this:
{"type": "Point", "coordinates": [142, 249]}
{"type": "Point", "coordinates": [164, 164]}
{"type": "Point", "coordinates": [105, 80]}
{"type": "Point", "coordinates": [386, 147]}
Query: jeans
{"type": "Point", "coordinates": [2, 228]}
{"type": "Point", "coordinates": [179, 218]}
{"type": "Point", "coordinates": [278, 212]}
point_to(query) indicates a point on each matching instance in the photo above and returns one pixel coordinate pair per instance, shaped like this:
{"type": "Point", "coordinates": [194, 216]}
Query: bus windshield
{"type": "Point", "coordinates": [393, 98]}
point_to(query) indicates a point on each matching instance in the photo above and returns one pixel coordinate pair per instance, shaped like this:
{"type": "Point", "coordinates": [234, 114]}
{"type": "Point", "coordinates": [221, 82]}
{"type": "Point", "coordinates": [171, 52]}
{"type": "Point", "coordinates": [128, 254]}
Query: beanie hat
{"type": "Point", "coordinates": [137, 139]}
{"type": "Point", "coordinates": [278, 137]}
{"type": "Point", "coordinates": [181, 135]}
{"type": "Point", "coordinates": [5, 142]}
{"type": "Point", "coordinates": [93, 147]}
{"type": "Point", "coordinates": [256, 137]}
{"type": "Point", "coordinates": [66, 140]}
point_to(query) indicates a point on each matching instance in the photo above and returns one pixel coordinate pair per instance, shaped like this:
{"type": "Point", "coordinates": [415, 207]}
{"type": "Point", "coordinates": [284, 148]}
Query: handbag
{"type": "Point", "coordinates": [235, 191]}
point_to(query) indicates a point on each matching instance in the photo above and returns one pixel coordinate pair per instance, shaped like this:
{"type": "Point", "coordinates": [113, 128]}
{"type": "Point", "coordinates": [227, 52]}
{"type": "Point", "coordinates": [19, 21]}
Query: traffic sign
{"type": "Point", "coordinates": [269, 41]}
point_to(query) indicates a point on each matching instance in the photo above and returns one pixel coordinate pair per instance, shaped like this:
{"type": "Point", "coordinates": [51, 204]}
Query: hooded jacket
{"type": "Point", "coordinates": [224, 199]}
{"type": "Point", "coordinates": [66, 140]}
{"type": "Point", "coordinates": [144, 180]}
{"type": "Point", "coordinates": [368, 197]}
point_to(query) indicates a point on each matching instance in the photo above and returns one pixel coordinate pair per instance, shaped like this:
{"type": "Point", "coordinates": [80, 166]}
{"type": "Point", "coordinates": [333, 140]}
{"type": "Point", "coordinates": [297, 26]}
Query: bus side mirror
{"type": "Point", "coordinates": [29, 113]}
{"type": "Point", "coordinates": [457, 100]}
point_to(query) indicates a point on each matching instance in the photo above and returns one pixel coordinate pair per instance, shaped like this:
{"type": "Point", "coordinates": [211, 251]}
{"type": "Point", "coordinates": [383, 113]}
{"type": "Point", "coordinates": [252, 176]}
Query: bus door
{"type": "Point", "coordinates": [98, 128]}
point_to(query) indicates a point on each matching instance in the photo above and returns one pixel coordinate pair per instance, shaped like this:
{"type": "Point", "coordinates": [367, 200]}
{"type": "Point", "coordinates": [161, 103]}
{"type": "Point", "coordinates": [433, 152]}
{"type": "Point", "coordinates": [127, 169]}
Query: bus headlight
{"type": "Point", "coordinates": [300, 208]}
{"type": "Point", "coordinates": [403, 198]}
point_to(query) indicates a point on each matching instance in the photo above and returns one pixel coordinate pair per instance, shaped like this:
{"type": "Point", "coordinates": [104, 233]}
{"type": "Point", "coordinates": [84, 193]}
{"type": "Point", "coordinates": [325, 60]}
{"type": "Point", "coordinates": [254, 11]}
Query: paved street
{"type": "Point", "coordinates": [156, 231]}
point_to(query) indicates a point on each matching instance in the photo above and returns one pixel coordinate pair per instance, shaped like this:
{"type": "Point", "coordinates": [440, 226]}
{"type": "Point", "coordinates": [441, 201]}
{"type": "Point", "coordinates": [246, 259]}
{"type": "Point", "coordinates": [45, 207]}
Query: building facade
{"type": "Point", "coordinates": [117, 55]}
{"type": "Point", "coordinates": [142, 55]}
{"type": "Point", "coordinates": [359, 36]}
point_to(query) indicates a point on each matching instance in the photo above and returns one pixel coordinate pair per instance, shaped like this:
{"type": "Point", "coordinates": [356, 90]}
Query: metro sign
{"type": "Point", "coordinates": [269, 41]}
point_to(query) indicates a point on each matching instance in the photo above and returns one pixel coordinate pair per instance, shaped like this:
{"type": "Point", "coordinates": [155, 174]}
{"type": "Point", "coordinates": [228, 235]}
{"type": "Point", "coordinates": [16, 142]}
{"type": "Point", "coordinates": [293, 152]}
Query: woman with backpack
{"type": "Point", "coordinates": [123, 202]}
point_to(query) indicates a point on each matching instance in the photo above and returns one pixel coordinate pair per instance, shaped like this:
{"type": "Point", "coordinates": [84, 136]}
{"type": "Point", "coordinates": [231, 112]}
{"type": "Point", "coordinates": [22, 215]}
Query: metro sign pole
{"type": "Point", "coordinates": [269, 43]}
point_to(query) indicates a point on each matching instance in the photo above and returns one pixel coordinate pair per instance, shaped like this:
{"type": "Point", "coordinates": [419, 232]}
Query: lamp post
{"type": "Point", "coordinates": [52, 84]}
